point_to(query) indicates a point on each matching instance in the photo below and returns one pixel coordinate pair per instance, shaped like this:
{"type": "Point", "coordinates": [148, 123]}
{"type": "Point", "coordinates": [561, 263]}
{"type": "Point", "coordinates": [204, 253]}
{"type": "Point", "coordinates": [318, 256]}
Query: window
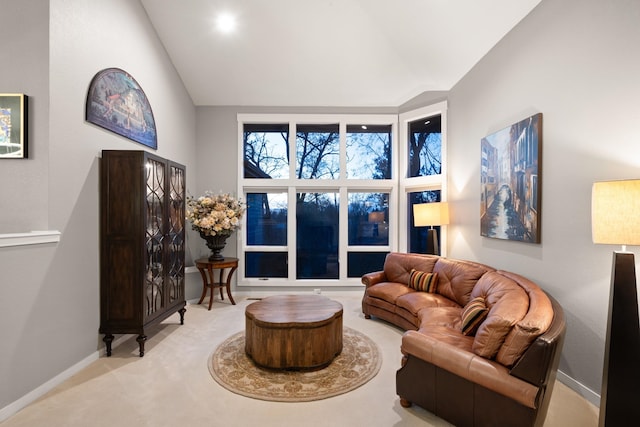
{"type": "Point", "coordinates": [328, 196]}
{"type": "Point", "coordinates": [423, 160]}
{"type": "Point", "coordinates": [369, 152]}
{"type": "Point", "coordinates": [266, 153]}
{"type": "Point", "coordinates": [317, 152]}
{"type": "Point", "coordinates": [424, 137]}
{"type": "Point", "coordinates": [369, 219]}
{"type": "Point", "coordinates": [266, 225]}
{"type": "Point", "coordinates": [266, 219]}
{"type": "Point", "coordinates": [418, 235]}
{"type": "Point", "coordinates": [318, 190]}
{"type": "Point", "coordinates": [317, 235]}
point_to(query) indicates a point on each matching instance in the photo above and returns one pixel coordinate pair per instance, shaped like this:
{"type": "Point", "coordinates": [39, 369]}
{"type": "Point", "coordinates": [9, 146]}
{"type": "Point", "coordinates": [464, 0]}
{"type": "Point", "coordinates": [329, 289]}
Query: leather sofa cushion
{"type": "Point", "coordinates": [507, 302]}
{"type": "Point", "coordinates": [536, 322]}
{"type": "Point", "coordinates": [397, 266]}
{"type": "Point", "coordinates": [441, 316]}
{"type": "Point", "coordinates": [443, 335]}
{"type": "Point", "coordinates": [416, 301]}
{"type": "Point", "coordinates": [456, 278]}
{"type": "Point", "coordinates": [386, 306]}
{"type": "Point", "coordinates": [389, 291]}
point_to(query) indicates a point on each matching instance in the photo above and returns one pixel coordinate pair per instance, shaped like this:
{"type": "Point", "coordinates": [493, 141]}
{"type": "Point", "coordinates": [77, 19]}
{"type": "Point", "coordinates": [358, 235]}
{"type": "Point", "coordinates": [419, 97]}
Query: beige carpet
{"type": "Point", "coordinates": [358, 362]}
{"type": "Point", "coordinates": [171, 385]}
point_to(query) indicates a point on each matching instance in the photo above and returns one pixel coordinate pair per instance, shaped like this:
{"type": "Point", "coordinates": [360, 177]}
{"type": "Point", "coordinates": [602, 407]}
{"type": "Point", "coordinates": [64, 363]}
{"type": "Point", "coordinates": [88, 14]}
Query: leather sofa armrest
{"type": "Point", "coordinates": [465, 364]}
{"type": "Point", "coordinates": [371, 279]}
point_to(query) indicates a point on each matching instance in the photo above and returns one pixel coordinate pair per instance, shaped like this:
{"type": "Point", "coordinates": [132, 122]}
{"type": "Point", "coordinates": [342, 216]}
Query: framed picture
{"type": "Point", "coordinates": [117, 103]}
{"type": "Point", "coordinates": [13, 126]}
{"type": "Point", "coordinates": [510, 176]}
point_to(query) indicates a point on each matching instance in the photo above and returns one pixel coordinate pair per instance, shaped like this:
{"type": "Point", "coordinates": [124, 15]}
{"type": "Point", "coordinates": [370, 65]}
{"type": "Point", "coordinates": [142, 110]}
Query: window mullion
{"type": "Point", "coordinates": [293, 157]}
{"type": "Point", "coordinates": [343, 233]}
{"type": "Point", "coordinates": [292, 241]}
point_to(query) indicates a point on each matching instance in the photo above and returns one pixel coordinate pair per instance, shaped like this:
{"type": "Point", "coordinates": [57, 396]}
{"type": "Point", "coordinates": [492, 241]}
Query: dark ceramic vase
{"type": "Point", "coordinates": [216, 244]}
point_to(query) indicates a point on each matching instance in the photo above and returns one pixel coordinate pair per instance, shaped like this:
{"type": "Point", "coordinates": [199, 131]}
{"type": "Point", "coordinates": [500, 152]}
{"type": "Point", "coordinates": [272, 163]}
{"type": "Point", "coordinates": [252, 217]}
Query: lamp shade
{"type": "Point", "coordinates": [376, 217]}
{"type": "Point", "coordinates": [425, 214]}
{"type": "Point", "coordinates": [615, 212]}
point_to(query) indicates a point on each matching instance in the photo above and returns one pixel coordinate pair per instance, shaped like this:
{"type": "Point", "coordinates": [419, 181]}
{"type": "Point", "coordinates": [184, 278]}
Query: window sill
{"type": "Point", "coordinates": [31, 238]}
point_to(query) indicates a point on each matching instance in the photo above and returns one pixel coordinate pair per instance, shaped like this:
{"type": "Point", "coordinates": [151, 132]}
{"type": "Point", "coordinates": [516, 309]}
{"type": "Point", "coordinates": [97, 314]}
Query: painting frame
{"type": "Point", "coordinates": [13, 126]}
{"type": "Point", "coordinates": [116, 102]}
{"type": "Point", "coordinates": [510, 175]}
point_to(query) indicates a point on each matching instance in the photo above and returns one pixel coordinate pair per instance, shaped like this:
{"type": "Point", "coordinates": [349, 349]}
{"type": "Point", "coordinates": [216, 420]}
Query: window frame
{"type": "Point", "coordinates": [343, 185]}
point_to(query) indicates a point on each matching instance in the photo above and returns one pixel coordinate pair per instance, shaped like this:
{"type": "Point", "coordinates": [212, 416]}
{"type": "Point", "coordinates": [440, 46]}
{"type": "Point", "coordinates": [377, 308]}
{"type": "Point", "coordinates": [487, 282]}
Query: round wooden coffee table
{"type": "Point", "coordinates": [293, 331]}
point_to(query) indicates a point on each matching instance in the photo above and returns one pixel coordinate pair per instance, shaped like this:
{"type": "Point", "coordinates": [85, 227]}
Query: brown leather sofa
{"type": "Point", "coordinates": [500, 375]}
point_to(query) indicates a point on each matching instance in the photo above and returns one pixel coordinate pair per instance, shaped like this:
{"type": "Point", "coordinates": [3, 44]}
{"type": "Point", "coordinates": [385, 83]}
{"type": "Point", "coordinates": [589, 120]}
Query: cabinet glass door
{"type": "Point", "coordinates": [155, 231]}
{"type": "Point", "coordinates": [175, 239]}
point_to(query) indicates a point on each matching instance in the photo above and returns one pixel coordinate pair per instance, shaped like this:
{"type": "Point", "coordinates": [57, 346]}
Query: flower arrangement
{"type": "Point", "coordinates": [215, 215]}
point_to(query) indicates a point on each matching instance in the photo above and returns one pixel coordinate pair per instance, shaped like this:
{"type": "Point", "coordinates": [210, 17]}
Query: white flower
{"type": "Point", "coordinates": [214, 214]}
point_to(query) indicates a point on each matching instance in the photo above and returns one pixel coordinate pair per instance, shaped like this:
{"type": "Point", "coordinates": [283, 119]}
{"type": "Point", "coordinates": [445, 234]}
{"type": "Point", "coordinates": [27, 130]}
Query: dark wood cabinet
{"type": "Point", "coordinates": [142, 243]}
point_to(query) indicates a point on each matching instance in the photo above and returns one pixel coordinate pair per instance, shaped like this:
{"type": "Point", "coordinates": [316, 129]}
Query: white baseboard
{"type": "Point", "coordinates": [579, 388]}
{"type": "Point", "coordinates": [33, 395]}
{"type": "Point", "coordinates": [40, 391]}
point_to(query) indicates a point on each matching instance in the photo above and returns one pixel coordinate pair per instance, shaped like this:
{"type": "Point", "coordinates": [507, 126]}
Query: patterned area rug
{"type": "Point", "coordinates": [359, 361]}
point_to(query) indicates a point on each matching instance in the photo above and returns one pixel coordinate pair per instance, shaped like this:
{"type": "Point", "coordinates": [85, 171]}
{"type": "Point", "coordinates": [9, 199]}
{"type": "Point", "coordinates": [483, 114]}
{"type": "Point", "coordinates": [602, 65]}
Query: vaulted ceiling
{"type": "Point", "coordinates": [355, 53]}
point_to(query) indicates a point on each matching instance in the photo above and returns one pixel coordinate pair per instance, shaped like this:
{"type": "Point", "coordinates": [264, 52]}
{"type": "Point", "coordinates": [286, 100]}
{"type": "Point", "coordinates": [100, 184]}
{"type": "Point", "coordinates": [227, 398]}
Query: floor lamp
{"type": "Point", "coordinates": [615, 219]}
{"type": "Point", "coordinates": [431, 214]}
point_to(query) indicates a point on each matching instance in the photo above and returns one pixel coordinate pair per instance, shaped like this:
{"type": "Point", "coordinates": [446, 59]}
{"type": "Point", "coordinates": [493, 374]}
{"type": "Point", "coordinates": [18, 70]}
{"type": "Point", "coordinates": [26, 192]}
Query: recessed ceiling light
{"type": "Point", "coordinates": [226, 22]}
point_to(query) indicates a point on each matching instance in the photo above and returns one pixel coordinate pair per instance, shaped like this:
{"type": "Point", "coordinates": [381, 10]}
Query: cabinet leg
{"type": "Point", "coordinates": [108, 339]}
{"type": "Point", "coordinates": [405, 403]}
{"type": "Point", "coordinates": [141, 340]}
{"type": "Point", "coordinates": [182, 311]}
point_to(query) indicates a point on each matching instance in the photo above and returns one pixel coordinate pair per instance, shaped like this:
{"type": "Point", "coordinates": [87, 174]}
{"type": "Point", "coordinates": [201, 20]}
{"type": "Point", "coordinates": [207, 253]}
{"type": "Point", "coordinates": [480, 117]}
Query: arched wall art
{"type": "Point", "coordinates": [117, 103]}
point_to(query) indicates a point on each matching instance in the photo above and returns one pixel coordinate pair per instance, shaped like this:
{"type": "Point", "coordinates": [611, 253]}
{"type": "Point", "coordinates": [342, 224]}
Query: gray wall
{"type": "Point", "coordinates": [49, 294]}
{"type": "Point", "coordinates": [577, 63]}
{"type": "Point", "coordinates": [25, 60]}
{"type": "Point", "coordinates": [24, 198]}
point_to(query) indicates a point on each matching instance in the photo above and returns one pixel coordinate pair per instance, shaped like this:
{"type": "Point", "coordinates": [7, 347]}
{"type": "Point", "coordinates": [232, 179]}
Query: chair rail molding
{"type": "Point", "coordinates": [30, 238]}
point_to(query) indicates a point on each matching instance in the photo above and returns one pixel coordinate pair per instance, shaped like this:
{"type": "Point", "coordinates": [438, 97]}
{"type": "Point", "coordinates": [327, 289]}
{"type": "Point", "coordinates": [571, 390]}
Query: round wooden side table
{"type": "Point", "coordinates": [206, 269]}
{"type": "Point", "coordinates": [293, 331]}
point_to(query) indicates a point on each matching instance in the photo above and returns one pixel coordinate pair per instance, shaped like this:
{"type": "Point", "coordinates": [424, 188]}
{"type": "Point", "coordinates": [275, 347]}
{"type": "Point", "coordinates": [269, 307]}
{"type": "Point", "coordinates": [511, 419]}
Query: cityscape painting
{"type": "Point", "coordinates": [116, 102]}
{"type": "Point", "coordinates": [13, 126]}
{"type": "Point", "coordinates": [510, 182]}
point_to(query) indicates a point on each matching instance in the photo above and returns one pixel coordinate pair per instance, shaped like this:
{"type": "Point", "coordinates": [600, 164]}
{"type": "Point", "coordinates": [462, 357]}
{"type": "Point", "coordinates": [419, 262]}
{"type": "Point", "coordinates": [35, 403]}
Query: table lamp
{"type": "Point", "coordinates": [376, 218]}
{"type": "Point", "coordinates": [431, 214]}
{"type": "Point", "coordinates": [615, 220]}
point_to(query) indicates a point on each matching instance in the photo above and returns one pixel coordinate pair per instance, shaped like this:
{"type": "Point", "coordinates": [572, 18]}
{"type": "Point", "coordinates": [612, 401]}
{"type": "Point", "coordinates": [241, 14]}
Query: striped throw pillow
{"type": "Point", "coordinates": [473, 315]}
{"type": "Point", "coordinates": [423, 281]}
